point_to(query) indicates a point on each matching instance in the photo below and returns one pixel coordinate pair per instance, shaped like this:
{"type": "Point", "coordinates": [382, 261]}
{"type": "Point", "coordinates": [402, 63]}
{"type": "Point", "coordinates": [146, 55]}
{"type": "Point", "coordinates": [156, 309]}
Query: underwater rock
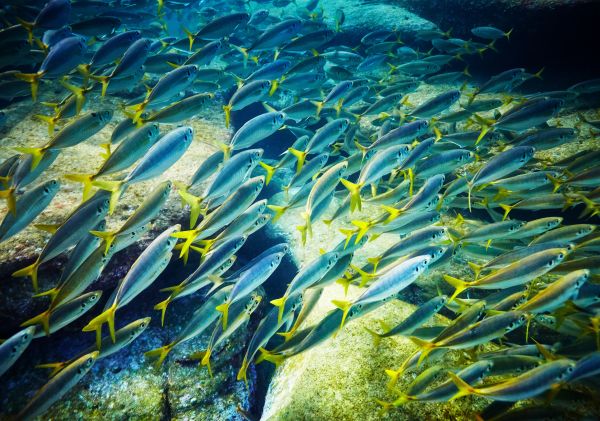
{"type": "Point", "coordinates": [342, 377]}
{"type": "Point", "coordinates": [362, 18]}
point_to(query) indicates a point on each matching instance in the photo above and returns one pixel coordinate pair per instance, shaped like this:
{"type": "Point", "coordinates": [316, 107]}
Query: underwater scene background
{"type": "Point", "coordinates": [299, 210]}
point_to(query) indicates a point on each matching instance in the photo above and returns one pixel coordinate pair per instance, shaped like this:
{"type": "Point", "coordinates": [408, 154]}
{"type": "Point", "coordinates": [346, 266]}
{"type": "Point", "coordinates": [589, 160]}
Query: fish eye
{"type": "Point", "coordinates": [561, 255]}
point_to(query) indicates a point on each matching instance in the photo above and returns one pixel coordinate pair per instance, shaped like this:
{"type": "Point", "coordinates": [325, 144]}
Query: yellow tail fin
{"type": "Point", "coordinates": [42, 319]}
{"type": "Point", "coordinates": [393, 212]}
{"type": "Point", "coordinates": [280, 303]}
{"type": "Point", "coordinates": [189, 237]}
{"type": "Point", "coordinates": [271, 357]}
{"type": "Point", "coordinates": [50, 120]}
{"type": "Point", "coordinates": [224, 308]}
{"type": "Point", "coordinates": [104, 80]}
{"type": "Point", "coordinates": [33, 79]}
{"type": "Point", "coordinates": [363, 228]}
{"type": "Point", "coordinates": [279, 211]}
{"type": "Point", "coordinates": [463, 388]}
{"type": "Point", "coordinates": [86, 180]}
{"type": "Point", "coordinates": [458, 284]}
{"type": "Point", "coordinates": [160, 353]}
{"type": "Point", "coordinates": [424, 346]}
{"type": "Point", "coordinates": [300, 156]}
{"type": "Point", "coordinates": [108, 316]}
{"type": "Point", "coordinates": [354, 189]}
{"type": "Point", "coordinates": [11, 200]}
{"type": "Point", "coordinates": [162, 306]}
{"type": "Point", "coordinates": [376, 337]}
{"type": "Point", "coordinates": [28, 26]}
{"type": "Point", "coordinates": [507, 209]}
{"type": "Point", "coordinates": [55, 367]}
{"type": "Point", "coordinates": [319, 105]}
{"type": "Point", "coordinates": [475, 268]}
{"type": "Point", "coordinates": [114, 187]}
{"type": "Point", "coordinates": [36, 155]}
{"type": "Point", "coordinates": [206, 361]}
{"type": "Point", "coordinates": [270, 171]}
{"type": "Point", "coordinates": [31, 271]}
{"type": "Point", "coordinates": [227, 109]}
{"type": "Point", "coordinates": [194, 203]}
{"type": "Point", "coordinates": [345, 307]}
{"type": "Point", "coordinates": [50, 293]}
{"type": "Point", "coordinates": [242, 374]}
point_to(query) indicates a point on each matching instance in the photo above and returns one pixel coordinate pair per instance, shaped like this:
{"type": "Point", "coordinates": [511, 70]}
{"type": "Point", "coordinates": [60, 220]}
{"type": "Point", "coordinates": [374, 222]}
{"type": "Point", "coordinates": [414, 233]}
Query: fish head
{"type": "Point", "coordinates": [526, 154]}
{"type": "Point", "coordinates": [518, 319]}
{"type": "Point", "coordinates": [90, 360]}
{"type": "Point", "coordinates": [515, 226]}
{"type": "Point", "coordinates": [265, 86]}
{"type": "Point", "coordinates": [582, 278]}
{"type": "Point", "coordinates": [51, 187]}
{"type": "Point", "coordinates": [343, 125]}
{"type": "Point", "coordinates": [262, 220]}
{"type": "Point", "coordinates": [188, 135]}
{"type": "Point", "coordinates": [256, 155]}
{"type": "Point", "coordinates": [585, 230]}
{"type": "Point", "coordinates": [103, 116]}
{"type": "Point", "coordinates": [436, 253]}
{"type": "Point", "coordinates": [102, 207]}
{"type": "Point", "coordinates": [556, 258]}
{"type": "Point", "coordinates": [261, 205]}
{"type": "Point", "coordinates": [141, 325]}
{"type": "Point", "coordinates": [279, 119]}
{"type": "Point", "coordinates": [239, 242]}
{"type": "Point", "coordinates": [332, 259]}
{"type": "Point", "coordinates": [355, 311]}
{"type": "Point", "coordinates": [253, 303]}
{"type": "Point", "coordinates": [25, 337]}
{"type": "Point", "coordinates": [276, 259]}
{"type": "Point", "coordinates": [438, 233]}
{"type": "Point", "coordinates": [93, 298]}
{"type": "Point", "coordinates": [152, 131]}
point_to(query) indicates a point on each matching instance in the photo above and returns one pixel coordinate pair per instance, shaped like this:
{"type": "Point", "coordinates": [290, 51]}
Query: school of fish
{"type": "Point", "coordinates": [456, 180]}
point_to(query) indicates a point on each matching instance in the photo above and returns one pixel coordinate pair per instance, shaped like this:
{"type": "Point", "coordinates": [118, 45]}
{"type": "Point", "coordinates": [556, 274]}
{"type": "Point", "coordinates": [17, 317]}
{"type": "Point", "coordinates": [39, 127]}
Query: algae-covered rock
{"type": "Point", "coordinates": [345, 376]}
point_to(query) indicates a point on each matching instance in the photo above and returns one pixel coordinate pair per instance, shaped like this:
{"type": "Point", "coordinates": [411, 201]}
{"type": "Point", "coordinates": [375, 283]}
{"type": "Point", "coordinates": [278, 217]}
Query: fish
{"type": "Point", "coordinates": [81, 220]}
{"type": "Point", "coordinates": [305, 278]}
{"type": "Point", "coordinates": [388, 285]}
{"type": "Point", "coordinates": [27, 208]}
{"type": "Point", "coordinates": [124, 337]}
{"type": "Point", "coordinates": [142, 273]}
{"type": "Point", "coordinates": [517, 273]}
{"type": "Point", "coordinates": [528, 384]}
{"type": "Point", "coordinates": [161, 155]}
{"type": "Point", "coordinates": [236, 203]}
{"type": "Point", "coordinates": [58, 386]}
{"type": "Point", "coordinates": [12, 348]}
{"type": "Point", "coordinates": [249, 280]}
